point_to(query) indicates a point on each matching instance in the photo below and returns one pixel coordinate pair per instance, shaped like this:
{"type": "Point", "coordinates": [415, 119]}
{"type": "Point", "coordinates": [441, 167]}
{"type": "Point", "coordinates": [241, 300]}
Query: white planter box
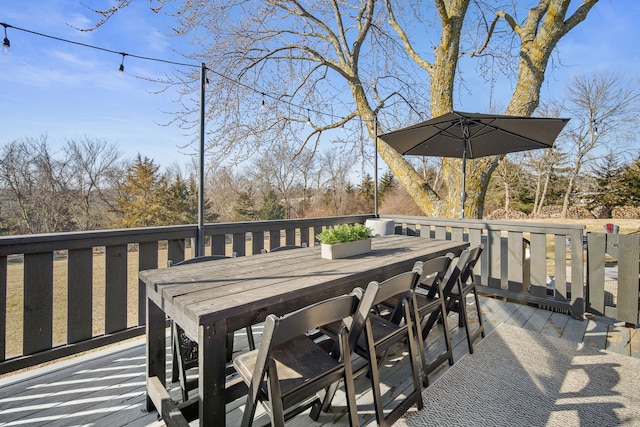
{"type": "Point", "coordinates": [343, 250]}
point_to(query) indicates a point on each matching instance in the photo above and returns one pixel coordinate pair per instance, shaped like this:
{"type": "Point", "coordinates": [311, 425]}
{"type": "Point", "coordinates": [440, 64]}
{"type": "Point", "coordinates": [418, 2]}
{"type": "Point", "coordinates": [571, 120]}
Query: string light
{"type": "Point", "coordinates": [121, 67]}
{"type": "Point", "coordinates": [6, 44]}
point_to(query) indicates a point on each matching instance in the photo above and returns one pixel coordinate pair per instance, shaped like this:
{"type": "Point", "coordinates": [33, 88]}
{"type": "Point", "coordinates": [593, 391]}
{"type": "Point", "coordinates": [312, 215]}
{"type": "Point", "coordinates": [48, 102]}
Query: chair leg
{"type": "Point", "coordinates": [174, 358]}
{"type": "Point", "coordinates": [252, 343]}
{"type": "Point", "coordinates": [479, 331]}
{"type": "Point", "coordinates": [480, 323]}
{"type": "Point", "coordinates": [350, 389]}
{"type": "Point", "coordinates": [230, 337]}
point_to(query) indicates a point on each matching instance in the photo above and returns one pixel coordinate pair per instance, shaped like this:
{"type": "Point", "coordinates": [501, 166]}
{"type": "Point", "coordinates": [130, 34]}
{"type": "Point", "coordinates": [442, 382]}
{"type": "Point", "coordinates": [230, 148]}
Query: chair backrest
{"type": "Point", "coordinates": [449, 281]}
{"type": "Point", "coordinates": [402, 284]}
{"type": "Point", "coordinates": [454, 274]}
{"type": "Point", "coordinates": [434, 270]}
{"type": "Point", "coordinates": [278, 330]}
{"type": "Point", "coordinates": [467, 269]}
{"type": "Point", "coordinates": [200, 259]}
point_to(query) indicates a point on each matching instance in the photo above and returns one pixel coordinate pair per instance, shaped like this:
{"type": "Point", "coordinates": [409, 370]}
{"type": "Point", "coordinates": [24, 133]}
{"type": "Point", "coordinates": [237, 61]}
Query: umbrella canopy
{"type": "Point", "coordinates": [472, 135]}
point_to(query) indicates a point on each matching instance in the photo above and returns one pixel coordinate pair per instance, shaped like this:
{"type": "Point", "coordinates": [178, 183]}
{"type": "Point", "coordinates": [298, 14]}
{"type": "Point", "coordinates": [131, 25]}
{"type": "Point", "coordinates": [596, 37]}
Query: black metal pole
{"type": "Point", "coordinates": [200, 236]}
{"type": "Point", "coordinates": [375, 166]}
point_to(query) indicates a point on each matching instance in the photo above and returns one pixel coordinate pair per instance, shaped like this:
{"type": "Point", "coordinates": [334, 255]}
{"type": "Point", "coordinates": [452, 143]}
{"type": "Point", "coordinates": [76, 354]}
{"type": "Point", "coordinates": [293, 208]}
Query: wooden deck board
{"type": "Point", "coordinates": [574, 330]}
{"type": "Point", "coordinates": [107, 387]}
{"type": "Point", "coordinates": [619, 339]}
{"type": "Point", "coordinates": [555, 324]}
{"type": "Point", "coordinates": [635, 344]}
{"type": "Point", "coordinates": [595, 334]}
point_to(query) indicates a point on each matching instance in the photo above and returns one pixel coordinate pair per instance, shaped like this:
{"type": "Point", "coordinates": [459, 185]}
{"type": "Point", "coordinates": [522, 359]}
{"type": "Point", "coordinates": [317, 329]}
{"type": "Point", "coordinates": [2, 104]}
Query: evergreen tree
{"type": "Point", "coordinates": [387, 183]}
{"type": "Point", "coordinates": [138, 202]}
{"type": "Point", "coordinates": [628, 184]}
{"type": "Point", "coordinates": [367, 187]}
{"type": "Point", "coordinates": [607, 186]}
{"type": "Point", "coordinates": [271, 207]}
{"type": "Point", "coordinates": [148, 198]}
{"type": "Point", "coordinates": [244, 209]}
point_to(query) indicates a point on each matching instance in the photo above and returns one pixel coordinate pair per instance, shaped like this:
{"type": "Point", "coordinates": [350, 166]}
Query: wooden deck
{"type": "Point", "coordinates": [107, 387]}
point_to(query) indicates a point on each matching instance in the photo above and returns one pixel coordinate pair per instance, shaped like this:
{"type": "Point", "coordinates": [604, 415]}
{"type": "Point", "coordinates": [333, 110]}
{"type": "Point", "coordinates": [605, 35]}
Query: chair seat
{"type": "Point", "coordinates": [298, 362]}
{"type": "Point", "coordinates": [381, 330]}
{"type": "Point", "coordinates": [425, 304]}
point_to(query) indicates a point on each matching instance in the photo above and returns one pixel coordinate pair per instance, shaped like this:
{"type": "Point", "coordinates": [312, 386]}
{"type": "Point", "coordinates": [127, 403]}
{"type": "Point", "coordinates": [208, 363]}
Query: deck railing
{"type": "Point", "coordinates": [526, 262]}
{"type": "Point", "coordinates": [613, 273]}
{"type": "Point", "coordinates": [65, 293]}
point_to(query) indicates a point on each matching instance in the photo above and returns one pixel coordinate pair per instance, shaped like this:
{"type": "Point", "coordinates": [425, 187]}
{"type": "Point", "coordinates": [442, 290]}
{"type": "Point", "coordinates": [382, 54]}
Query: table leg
{"type": "Point", "coordinates": [212, 360]}
{"type": "Point", "coordinates": [156, 346]}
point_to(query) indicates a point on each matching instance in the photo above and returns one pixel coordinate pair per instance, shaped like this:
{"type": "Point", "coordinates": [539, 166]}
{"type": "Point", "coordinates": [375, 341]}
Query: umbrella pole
{"type": "Point", "coordinates": [463, 193]}
{"type": "Point", "coordinates": [465, 143]}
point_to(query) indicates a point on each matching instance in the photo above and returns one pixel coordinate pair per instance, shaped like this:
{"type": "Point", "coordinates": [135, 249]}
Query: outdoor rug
{"type": "Point", "coordinates": [520, 378]}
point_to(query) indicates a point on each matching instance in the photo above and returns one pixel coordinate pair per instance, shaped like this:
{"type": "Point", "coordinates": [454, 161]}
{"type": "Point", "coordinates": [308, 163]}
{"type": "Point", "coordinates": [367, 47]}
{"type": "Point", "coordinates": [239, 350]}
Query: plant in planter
{"type": "Point", "coordinates": [344, 240]}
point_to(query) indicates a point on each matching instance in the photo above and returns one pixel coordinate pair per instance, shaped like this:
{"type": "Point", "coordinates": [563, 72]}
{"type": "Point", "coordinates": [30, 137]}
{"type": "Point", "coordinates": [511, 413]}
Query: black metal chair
{"type": "Point", "coordinates": [185, 350]}
{"type": "Point", "coordinates": [458, 298]}
{"type": "Point", "coordinates": [433, 295]}
{"type": "Point", "coordinates": [290, 369]}
{"type": "Point", "coordinates": [381, 333]}
{"type": "Point", "coordinates": [436, 273]}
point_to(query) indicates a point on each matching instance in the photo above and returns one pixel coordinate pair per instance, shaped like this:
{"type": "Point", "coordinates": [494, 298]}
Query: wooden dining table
{"type": "Point", "coordinates": [212, 298]}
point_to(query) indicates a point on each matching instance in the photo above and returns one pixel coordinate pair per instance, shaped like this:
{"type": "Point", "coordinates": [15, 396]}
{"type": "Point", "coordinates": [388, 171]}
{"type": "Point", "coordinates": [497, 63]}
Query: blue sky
{"type": "Point", "coordinates": [67, 91]}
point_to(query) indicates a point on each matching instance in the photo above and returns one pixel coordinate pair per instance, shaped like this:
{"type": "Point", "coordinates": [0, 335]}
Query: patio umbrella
{"type": "Point", "coordinates": [472, 135]}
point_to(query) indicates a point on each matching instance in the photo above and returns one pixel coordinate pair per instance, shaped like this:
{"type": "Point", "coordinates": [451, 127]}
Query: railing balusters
{"type": "Point", "coordinates": [257, 242]}
{"type": "Point", "coordinates": [115, 316]}
{"type": "Point", "coordinates": [239, 243]}
{"type": "Point", "coordinates": [3, 307]}
{"type": "Point", "coordinates": [628, 271]}
{"type": "Point", "coordinates": [595, 272]}
{"type": "Point", "coordinates": [560, 268]}
{"type": "Point", "coordinates": [538, 264]}
{"type": "Point", "coordinates": [38, 302]}
{"type": "Point", "coordinates": [218, 244]}
{"type": "Point", "coordinates": [147, 259]}
{"type": "Point", "coordinates": [290, 236]}
{"type": "Point", "coordinates": [80, 295]}
{"type": "Point", "coordinates": [515, 257]}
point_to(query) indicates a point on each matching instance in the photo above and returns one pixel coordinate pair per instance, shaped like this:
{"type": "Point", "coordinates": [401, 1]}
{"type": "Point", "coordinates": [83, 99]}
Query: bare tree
{"type": "Point", "coordinates": [280, 168]}
{"type": "Point", "coordinates": [223, 188]}
{"type": "Point", "coordinates": [335, 180]}
{"type": "Point", "coordinates": [543, 164]}
{"type": "Point", "coordinates": [92, 162]}
{"type": "Point", "coordinates": [38, 187]}
{"type": "Point", "coordinates": [602, 108]}
{"type": "Point", "coordinates": [360, 64]}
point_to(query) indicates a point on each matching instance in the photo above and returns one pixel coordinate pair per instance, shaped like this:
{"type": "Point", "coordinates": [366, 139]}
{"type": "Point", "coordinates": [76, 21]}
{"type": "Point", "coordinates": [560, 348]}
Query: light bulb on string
{"type": "Point", "coordinates": [6, 44]}
{"type": "Point", "coordinates": [121, 67]}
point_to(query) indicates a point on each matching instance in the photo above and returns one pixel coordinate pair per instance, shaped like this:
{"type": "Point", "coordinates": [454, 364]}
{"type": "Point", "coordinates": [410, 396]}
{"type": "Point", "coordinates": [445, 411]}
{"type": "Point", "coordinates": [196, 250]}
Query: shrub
{"type": "Point", "coordinates": [344, 233]}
